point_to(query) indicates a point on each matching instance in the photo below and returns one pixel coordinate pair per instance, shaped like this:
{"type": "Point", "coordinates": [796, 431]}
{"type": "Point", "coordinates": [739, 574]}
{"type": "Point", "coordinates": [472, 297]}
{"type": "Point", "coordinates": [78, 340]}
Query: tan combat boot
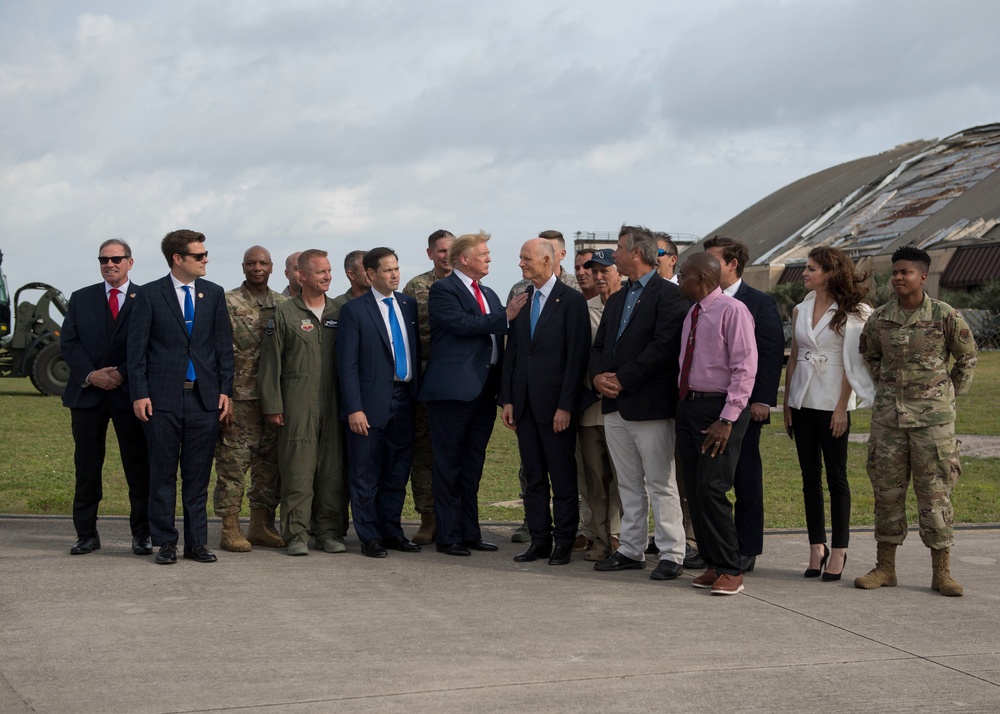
{"type": "Point", "coordinates": [258, 533]}
{"type": "Point", "coordinates": [428, 526]}
{"type": "Point", "coordinates": [942, 581]}
{"type": "Point", "coordinates": [232, 540]}
{"type": "Point", "coordinates": [883, 575]}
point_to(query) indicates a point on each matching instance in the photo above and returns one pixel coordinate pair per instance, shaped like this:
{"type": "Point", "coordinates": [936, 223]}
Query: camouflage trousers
{"type": "Point", "coordinates": [420, 469]}
{"type": "Point", "coordinates": [930, 456]}
{"type": "Point", "coordinates": [247, 444]}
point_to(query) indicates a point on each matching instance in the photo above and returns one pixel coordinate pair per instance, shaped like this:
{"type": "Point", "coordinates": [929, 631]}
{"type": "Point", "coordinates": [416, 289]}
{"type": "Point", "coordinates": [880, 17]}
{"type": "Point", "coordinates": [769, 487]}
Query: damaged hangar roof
{"type": "Point", "coordinates": [930, 194]}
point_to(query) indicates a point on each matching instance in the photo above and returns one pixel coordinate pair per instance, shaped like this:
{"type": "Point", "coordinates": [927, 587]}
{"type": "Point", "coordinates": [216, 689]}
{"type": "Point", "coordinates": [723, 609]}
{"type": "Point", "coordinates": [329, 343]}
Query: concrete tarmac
{"type": "Point", "coordinates": [264, 632]}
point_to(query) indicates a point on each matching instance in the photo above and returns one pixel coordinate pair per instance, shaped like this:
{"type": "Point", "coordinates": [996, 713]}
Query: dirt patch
{"type": "Point", "coordinates": [976, 445]}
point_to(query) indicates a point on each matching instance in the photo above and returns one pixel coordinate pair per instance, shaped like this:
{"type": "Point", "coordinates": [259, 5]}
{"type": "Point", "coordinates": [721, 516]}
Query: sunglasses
{"type": "Point", "coordinates": [197, 256]}
{"type": "Point", "coordinates": [116, 259]}
{"type": "Point", "coordinates": [660, 252]}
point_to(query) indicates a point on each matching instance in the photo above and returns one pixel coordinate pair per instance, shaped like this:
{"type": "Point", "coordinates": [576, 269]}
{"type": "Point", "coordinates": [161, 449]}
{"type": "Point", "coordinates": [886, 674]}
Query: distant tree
{"type": "Point", "coordinates": [881, 291]}
{"type": "Point", "coordinates": [788, 295]}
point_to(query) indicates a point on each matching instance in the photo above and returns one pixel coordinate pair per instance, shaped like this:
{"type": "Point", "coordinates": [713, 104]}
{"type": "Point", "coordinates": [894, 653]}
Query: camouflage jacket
{"type": "Point", "coordinates": [249, 315]}
{"type": "Point", "coordinates": [418, 288]}
{"type": "Point", "coordinates": [565, 277]}
{"type": "Point", "coordinates": [908, 356]}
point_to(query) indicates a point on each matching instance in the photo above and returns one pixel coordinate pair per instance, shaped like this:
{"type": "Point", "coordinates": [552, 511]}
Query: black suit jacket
{"type": "Point", "coordinates": [91, 339]}
{"type": "Point", "coordinates": [159, 346]}
{"type": "Point", "coordinates": [365, 364]}
{"type": "Point", "coordinates": [646, 358]}
{"type": "Point", "coordinates": [770, 337]}
{"type": "Point", "coordinates": [547, 370]}
{"type": "Point", "coordinates": [460, 340]}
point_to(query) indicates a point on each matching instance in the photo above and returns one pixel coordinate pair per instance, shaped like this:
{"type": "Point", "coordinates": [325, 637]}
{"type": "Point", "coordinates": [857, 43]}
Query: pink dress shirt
{"type": "Point", "coordinates": [725, 351]}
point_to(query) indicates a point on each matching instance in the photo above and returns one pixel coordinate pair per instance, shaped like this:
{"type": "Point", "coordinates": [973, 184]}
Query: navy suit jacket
{"type": "Point", "coordinates": [159, 346]}
{"type": "Point", "coordinates": [646, 357]}
{"type": "Point", "coordinates": [460, 340]}
{"type": "Point", "coordinates": [770, 336]}
{"type": "Point", "coordinates": [365, 363]}
{"type": "Point", "coordinates": [547, 370]}
{"type": "Point", "coordinates": [91, 339]}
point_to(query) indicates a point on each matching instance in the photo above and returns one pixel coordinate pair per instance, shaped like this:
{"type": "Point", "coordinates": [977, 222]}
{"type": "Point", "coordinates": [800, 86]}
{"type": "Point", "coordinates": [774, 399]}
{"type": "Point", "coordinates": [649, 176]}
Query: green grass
{"type": "Point", "coordinates": [36, 462]}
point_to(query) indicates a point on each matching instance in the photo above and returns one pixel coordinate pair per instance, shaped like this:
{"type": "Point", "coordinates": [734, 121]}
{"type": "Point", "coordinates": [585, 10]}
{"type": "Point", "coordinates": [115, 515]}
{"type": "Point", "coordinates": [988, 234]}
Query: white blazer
{"type": "Point", "coordinates": [823, 359]}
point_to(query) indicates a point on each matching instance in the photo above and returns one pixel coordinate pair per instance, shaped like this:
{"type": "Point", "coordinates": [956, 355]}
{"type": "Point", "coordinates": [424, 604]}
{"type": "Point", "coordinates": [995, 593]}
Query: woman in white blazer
{"type": "Point", "coordinates": [825, 379]}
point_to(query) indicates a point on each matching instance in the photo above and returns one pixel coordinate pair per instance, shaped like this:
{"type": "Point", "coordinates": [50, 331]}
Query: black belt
{"type": "Point", "coordinates": [190, 385]}
{"type": "Point", "coordinates": [691, 395]}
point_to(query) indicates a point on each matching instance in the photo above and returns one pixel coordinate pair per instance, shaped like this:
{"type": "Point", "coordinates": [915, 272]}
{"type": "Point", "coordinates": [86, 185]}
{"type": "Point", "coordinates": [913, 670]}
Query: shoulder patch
{"type": "Point", "coordinates": [269, 328]}
{"type": "Point", "coordinates": [307, 325]}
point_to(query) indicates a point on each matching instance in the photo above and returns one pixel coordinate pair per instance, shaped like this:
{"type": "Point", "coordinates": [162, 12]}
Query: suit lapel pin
{"type": "Point", "coordinates": [201, 295]}
{"type": "Point", "coordinates": [131, 295]}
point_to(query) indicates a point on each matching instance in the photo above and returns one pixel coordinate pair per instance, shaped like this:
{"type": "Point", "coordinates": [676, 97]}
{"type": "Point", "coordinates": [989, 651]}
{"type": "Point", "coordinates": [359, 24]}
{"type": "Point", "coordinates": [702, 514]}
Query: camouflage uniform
{"type": "Point", "coordinates": [298, 379]}
{"type": "Point", "coordinates": [913, 418]}
{"type": "Point", "coordinates": [248, 443]}
{"type": "Point", "coordinates": [420, 470]}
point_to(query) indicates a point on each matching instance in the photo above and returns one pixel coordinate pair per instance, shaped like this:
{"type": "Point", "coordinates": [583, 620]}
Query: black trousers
{"type": "Point", "coordinates": [813, 440]}
{"type": "Point", "coordinates": [708, 480]}
{"type": "Point", "coordinates": [549, 457]}
{"type": "Point", "coordinates": [749, 487]}
{"type": "Point", "coordinates": [90, 433]}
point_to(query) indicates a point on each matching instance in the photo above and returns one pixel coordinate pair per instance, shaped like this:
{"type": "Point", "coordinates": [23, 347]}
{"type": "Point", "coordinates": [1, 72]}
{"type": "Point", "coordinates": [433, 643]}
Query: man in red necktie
{"type": "Point", "coordinates": [94, 345]}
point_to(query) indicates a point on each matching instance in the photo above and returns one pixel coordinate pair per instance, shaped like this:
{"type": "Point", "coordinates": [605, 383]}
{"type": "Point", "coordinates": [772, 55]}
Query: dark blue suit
{"type": "Point", "coordinates": [377, 464]}
{"type": "Point", "coordinates": [185, 421]}
{"type": "Point", "coordinates": [91, 339]}
{"type": "Point", "coordinates": [460, 388]}
{"type": "Point", "coordinates": [748, 483]}
{"type": "Point", "coordinates": [542, 374]}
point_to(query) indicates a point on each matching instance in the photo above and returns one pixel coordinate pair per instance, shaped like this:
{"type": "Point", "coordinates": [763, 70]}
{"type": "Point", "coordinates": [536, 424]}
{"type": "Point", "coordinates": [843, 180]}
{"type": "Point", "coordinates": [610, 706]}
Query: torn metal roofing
{"type": "Point", "coordinates": [931, 194]}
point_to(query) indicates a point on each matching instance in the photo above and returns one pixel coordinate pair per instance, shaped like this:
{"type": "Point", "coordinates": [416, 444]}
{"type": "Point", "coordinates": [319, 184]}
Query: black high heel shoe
{"type": "Point", "coordinates": [816, 572]}
{"type": "Point", "coordinates": [830, 577]}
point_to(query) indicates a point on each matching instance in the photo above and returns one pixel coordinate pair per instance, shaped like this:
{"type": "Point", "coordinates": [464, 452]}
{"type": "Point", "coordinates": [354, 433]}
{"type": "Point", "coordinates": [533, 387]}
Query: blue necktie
{"type": "Point", "coordinates": [189, 323]}
{"type": "Point", "coordinates": [536, 310]}
{"type": "Point", "coordinates": [398, 344]}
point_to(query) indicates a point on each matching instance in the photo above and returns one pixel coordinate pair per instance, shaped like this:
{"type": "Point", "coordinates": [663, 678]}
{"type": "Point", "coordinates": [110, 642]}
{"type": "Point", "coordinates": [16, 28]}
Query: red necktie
{"type": "Point", "coordinates": [689, 352]}
{"type": "Point", "coordinates": [113, 302]}
{"type": "Point", "coordinates": [479, 297]}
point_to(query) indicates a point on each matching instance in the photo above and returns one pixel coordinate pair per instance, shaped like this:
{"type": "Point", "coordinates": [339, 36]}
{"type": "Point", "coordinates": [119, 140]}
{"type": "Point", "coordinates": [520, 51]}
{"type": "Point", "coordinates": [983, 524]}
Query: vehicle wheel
{"type": "Point", "coordinates": [49, 372]}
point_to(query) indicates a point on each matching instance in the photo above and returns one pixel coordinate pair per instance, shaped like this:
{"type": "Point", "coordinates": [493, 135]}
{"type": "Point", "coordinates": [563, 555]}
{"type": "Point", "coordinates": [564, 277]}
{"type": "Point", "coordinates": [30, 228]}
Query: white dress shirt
{"type": "Point", "coordinates": [467, 281]}
{"type": "Point", "coordinates": [179, 290]}
{"type": "Point", "coordinates": [384, 311]}
{"type": "Point", "coordinates": [122, 292]}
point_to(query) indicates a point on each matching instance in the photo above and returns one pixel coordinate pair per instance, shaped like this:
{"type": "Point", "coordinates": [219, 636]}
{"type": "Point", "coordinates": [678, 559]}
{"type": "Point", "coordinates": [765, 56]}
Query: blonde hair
{"type": "Point", "coordinates": [463, 243]}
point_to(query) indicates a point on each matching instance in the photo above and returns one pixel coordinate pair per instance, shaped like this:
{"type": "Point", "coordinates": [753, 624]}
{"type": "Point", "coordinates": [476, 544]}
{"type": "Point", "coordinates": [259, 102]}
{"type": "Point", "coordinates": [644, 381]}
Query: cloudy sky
{"type": "Point", "coordinates": [341, 125]}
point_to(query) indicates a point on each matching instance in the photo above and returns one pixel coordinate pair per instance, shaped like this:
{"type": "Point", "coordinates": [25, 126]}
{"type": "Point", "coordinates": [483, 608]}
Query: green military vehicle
{"type": "Point", "coordinates": [29, 344]}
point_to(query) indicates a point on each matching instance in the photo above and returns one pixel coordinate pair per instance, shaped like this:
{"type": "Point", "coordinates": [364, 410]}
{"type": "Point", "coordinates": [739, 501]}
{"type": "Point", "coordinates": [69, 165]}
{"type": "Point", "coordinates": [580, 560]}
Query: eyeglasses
{"type": "Point", "coordinates": [197, 256]}
{"type": "Point", "coordinates": [116, 259]}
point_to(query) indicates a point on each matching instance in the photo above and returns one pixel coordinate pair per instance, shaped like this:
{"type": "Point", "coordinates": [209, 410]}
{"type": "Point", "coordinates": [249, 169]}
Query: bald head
{"type": "Point", "coordinates": [292, 273]}
{"type": "Point", "coordinates": [257, 267]}
{"type": "Point", "coordinates": [538, 258]}
{"type": "Point", "coordinates": [699, 276]}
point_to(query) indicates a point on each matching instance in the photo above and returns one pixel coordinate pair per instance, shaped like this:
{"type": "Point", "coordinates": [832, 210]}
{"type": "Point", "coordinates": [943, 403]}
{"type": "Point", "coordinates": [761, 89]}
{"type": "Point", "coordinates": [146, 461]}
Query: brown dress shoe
{"type": "Point", "coordinates": [582, 543]}
{"type": "Point", "coordinates": [706, 579]}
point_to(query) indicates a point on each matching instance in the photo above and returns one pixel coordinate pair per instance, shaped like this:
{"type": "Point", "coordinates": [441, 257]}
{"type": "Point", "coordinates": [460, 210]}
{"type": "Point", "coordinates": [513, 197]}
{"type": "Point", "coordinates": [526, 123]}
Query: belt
{"type": "Point", "coordinates": [190, 385]}
{"type": "Point", "coordinates": [691, 395]}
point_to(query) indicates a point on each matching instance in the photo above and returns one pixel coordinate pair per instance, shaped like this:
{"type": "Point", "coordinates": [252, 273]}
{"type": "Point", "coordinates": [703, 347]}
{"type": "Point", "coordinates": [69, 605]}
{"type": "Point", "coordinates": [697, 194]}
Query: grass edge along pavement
{"type": "Point", "coordinates": [36, 462]}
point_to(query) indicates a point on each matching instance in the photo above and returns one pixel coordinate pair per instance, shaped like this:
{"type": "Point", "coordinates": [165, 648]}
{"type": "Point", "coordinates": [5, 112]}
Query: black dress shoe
{"type": "Point", "coordinates": [167, 554]}
{"type": "Point", "coordinates": [404, 545]}
{"type": "Point", "coordinates": [561, 555]}
{"type": "Point", "coordinates": [533, 553]}
{"type": "Point", "coordinates": [141, 545]}
{"type": "Point", "coordinates": [747, 563]}
{"type": "Point", "coordinates": [199, 554]}
{"type": "Point", "coordinates": [666, 570]}
{"type": "Point", "coordinates": [373, 548]}
{"type": "Point", "coordinates": [453, 549]}
{"type": "Point", "coordinates": [480, 545]}
{"type": "Point", "coordinates": [86, 545]}
{"type": "Point", "coordinates": [617, 561]}
{"type": "Point", "coordinates": [651, 548]}
{"type": "Point", "coordinates": [692, 559]}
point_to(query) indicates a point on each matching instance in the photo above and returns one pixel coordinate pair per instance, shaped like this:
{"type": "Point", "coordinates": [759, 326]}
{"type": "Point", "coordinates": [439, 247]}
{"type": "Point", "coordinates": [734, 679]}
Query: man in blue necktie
{"type": "Point", "coordinates": [378, 362]}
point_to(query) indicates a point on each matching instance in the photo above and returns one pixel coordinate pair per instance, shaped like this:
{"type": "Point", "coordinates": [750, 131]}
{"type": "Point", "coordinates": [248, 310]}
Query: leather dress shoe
{"type": "Point", "coordinates": [692, 559]}
{"type": "Point", "coordinates": [142, 545]}
{"type": "Point", "coordinates": [617, 561]}
{"type": "Point", "coordinates": [199, 554]}
{"type": "Point", "coordinates": [666, 570]}
{"type": "Point", "coordinates": [651, 548]}
{"type": "Point", "coordinates": [453, 549]}
{"type": "Point", "coordinates": [533, 553]}
{"type": "Point", "coordinates": [480, 545]}
{"type": "Point", "coordinates": [373, 548]}
{"type": "Point", "coordinates": [87, 544]}
{"type": "Point", "coordinates": [403, 545]}
{"type": "Point", "coordinates": [747, 563]}
{"type": "Point", "coordinates": [561, 555]}
{"type": "Point", "coordinates": [167, 554]}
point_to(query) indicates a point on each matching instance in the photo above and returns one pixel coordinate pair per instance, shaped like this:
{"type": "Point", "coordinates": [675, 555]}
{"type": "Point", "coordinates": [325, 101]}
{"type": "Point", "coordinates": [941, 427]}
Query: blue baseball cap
{"type": "Point", "coordinates": [601, 257]}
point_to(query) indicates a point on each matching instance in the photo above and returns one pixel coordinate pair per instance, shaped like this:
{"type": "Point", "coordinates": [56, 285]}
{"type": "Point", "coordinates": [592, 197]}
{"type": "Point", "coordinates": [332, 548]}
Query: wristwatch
{"type": "Point", "coordinates": [725, 421]}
